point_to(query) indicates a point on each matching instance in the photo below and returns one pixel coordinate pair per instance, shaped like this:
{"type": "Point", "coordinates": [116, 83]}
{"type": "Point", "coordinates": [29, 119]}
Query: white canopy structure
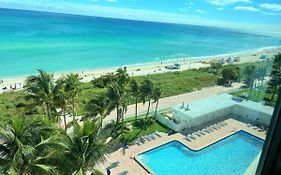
{"type": "Point", "coordinates": [202, 111]}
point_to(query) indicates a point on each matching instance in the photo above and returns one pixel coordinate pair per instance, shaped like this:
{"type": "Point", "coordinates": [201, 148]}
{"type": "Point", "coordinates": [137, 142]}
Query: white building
{"type": "Point", "coordinates": [214, 108]}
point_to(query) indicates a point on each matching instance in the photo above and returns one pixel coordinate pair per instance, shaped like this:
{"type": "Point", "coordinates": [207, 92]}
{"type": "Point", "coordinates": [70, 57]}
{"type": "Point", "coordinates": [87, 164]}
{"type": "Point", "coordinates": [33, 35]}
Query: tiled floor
{"type": "Point", "coordinates": [127, 162]}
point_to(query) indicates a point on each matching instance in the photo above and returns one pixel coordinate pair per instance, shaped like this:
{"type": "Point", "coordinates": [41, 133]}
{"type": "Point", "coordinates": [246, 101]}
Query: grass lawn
{"type": "Point", "coordinates": [11, 104]}
{"type": "Point", "coordinates": [137, 129]}
{"type": "Point", "coordinates": [175, 83]}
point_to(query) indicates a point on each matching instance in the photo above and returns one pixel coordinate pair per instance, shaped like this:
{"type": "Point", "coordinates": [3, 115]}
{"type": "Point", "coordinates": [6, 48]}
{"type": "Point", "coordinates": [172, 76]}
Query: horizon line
{"type": "Point", "coordinates": [222, 24]}
{"type": "Point", "coordinates": [141, 15]}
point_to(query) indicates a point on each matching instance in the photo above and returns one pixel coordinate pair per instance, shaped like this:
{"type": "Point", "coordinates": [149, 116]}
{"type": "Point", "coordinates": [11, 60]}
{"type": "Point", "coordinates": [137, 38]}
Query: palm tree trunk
{"type": "Point", "coordinates": [156, 107]}
{"type": "Point", "coordinates": [122, 116]}
{"type": "Point", "coordinates": [136, 109]}
{"type": "Point", "coordinates": [117, 113]}
{"type": "Point", "coordinates": [101, 120]}
{"type": "Point", "coordinates": [48, 111]}
{"type": "Point", "coordinates": [64, 118]}
{"type": "Point", "coordinates": [273, 94]}
{"type": "Point", "coordinates": [73, 108]}
{"type": "Point", "coordinates": [148, 108]}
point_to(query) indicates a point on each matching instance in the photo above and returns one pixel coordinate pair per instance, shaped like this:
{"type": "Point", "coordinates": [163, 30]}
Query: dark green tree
{"type": "Point", "coordinates": [39, 90]}
{"type": "Point", "coordinates": [134, 88]}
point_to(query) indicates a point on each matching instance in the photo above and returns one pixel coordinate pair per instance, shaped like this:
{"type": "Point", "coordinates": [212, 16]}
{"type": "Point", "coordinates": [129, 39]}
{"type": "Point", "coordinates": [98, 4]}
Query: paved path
{"type": "Point", "coordinates": [178, 99]}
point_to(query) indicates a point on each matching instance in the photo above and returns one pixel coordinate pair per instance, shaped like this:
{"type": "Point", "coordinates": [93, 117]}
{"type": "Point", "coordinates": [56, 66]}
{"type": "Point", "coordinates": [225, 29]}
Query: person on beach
{"type": "Point", "coordinates": [108, 172]}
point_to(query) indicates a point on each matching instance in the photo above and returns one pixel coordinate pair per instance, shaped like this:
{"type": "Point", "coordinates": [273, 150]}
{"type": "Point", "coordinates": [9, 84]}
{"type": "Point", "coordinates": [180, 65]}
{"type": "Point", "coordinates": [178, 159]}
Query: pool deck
{"type": "Point", "coordinates": [128, 165]}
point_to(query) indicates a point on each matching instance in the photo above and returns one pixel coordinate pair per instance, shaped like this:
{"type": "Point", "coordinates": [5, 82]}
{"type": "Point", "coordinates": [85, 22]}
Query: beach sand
{"type": "Point", "coordinates": [159, 67]}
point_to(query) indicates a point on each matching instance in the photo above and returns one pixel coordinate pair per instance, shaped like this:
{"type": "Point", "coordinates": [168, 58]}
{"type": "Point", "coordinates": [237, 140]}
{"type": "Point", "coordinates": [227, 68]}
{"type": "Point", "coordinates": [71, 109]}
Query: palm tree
{"type": "Point", "coordinates": [88, 146]}
{"type": "Point", "coordinates": [61, 98]}
{"type": "Point", "coordinates": [117, 97]}
{"type": "Point", "coordinates": [134, 87]}
{"type": "Point", "coordinates": [40, 91]}
{"type": "Point", "coordinates": [72, 88]}
{"type": "Point", "coordinates": [146, 90]}
{"type": "Point", "coordinates": [122, 77]}
{"type": "Point", "coordinates": [156, 96]}
{"type": "Point", "coordinates": [275, 76]}
{"type": "Point", "coordinates": [99, 106]}
{"type": "Point", "coordinates": [30, 146]}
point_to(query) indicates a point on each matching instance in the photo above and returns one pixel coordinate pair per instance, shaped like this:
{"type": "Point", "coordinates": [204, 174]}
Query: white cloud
{"type": "Point", "coordinates": [246, 8]}
{"type": "Point", "coordinates": [269, 13]}
{"type": "Point", "coordinates": [182, 9]}
{"type": "Point", "coordinates": [226, 2]}
{"type": "Point", "coordinates": [111, 0]}
{"type": "Point", "coordinates": [273, 7]}
{"type": "Point", "coordinates": [188, 5]}
{"type": "Point", "coordinates": [200, 11]}
{"type": "Point", "coordinates": [220, 8]}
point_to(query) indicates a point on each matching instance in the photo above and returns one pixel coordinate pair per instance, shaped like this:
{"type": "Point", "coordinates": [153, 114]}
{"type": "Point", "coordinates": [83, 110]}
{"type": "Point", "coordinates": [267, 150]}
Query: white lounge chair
{"type": "Point", "coordinates": [147, 138]}
{"type": "Point", "coordinates": [187, 138]}
{"type": "Point", "coordinates": [157, 133]}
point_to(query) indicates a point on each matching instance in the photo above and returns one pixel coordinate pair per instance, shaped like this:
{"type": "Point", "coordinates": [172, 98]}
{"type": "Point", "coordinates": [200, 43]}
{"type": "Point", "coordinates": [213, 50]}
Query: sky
{"type": "Point", "coordinates": [254, 15]}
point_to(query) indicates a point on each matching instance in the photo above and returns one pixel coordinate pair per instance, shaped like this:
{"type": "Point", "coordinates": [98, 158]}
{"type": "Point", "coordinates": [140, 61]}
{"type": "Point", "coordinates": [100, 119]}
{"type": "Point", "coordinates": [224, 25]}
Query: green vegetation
{"type": "Point", "coordinates": [176, 83]}
{"type": "Point", "coordinates": [275, 77]}
{"type": "Point", "coordinates": [33, 140]}
{"type": "Point", "coordinates": [40, 147]}
{"type": "Point", "coordinates": [171, 83]}
{"type": "Point", "coordinates": [257, 88]}
{"type": "Point", "coordinates": [137, 129]}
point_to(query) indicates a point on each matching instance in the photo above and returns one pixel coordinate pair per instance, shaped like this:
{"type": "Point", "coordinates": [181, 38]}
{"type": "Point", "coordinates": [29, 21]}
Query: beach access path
{"type": "Point", "coordinates": [167, 102]}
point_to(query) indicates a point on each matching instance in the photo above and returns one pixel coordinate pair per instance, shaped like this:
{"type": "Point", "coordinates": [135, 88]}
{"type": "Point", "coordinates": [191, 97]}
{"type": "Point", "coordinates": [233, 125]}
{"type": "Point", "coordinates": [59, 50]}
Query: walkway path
{"type": "Point", "coordinates": [178, 99]}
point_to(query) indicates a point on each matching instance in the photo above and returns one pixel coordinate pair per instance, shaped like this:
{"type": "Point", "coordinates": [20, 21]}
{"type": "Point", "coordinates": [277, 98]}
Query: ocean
{"type": "Point", "coordinates": [32, 40]}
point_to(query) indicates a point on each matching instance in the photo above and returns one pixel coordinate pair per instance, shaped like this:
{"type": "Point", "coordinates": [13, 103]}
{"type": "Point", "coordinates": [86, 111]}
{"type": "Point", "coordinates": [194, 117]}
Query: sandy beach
{"type": "Point", "coordinates": [159, 67]}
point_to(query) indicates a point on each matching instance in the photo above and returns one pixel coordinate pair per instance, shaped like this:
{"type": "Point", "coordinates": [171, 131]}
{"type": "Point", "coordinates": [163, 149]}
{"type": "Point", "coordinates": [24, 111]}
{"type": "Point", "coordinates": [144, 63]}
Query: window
{"type": "Point", "coordinates": [140, 87]}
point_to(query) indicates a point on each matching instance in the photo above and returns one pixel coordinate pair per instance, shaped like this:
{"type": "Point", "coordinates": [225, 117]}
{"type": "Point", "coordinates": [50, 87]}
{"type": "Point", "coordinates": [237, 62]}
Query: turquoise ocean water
{"type": "Point", "coordinates": [57, 42]}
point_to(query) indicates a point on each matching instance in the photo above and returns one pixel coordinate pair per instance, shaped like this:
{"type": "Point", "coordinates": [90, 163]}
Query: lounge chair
{"type": "Point", "coordinates": [202, 132]}
{"type": "Point", "coordinates": [114, 165]}
{"type": "Point", "coordinates": [206, 130]}
{"type": "Point", "coordinates": [255, 127]}
{"type": "Point", "coordinates": [152, 136]}
{"type": "Point", "coordinates": [138, 142]}
{"type": "Point", "coordinates": [209, 129]}
{"type": "Point", "coordinates": [147, 138]}
{"type": "Point", "coordinates": [158, 134]}
{"type": "Point", "coordinates": [123, 173]}
{"type": "Point", "coordinates": [187, 138]}
{"type": "Point", "coordinates": [218, 126]}
{"type": "Point", "coordinates": [142, 139]}
{"type": "Point", "coordinates": [192, 136]}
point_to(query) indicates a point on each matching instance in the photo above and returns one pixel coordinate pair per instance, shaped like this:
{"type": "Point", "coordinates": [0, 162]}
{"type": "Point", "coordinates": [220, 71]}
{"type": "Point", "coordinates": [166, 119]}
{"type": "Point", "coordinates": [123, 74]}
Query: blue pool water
{"type": "Point", "coordinates": [230, 156]}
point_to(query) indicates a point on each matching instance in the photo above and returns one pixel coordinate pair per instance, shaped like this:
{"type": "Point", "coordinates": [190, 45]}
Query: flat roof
{"type": "Point", "coordinates": [219, 102]}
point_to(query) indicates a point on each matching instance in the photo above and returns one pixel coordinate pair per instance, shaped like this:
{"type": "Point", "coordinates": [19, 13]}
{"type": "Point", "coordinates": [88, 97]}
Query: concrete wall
{"type": "Point", "coordinates": [170, 123]}
{"type": "Point", "coordinates": [252, 115]}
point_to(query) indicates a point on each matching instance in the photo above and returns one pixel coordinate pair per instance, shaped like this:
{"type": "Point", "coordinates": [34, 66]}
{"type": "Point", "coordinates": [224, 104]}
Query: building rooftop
{"type": "Point", "coordinates": [219, 102]}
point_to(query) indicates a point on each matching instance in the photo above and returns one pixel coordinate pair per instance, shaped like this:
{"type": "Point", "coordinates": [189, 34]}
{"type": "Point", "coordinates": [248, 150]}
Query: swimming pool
{"type": "Point", "coordinates": [230, 156]}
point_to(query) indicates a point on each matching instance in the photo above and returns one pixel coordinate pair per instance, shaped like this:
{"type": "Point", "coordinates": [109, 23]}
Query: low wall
{"type": "Point", "coordinates": [170, 123]}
